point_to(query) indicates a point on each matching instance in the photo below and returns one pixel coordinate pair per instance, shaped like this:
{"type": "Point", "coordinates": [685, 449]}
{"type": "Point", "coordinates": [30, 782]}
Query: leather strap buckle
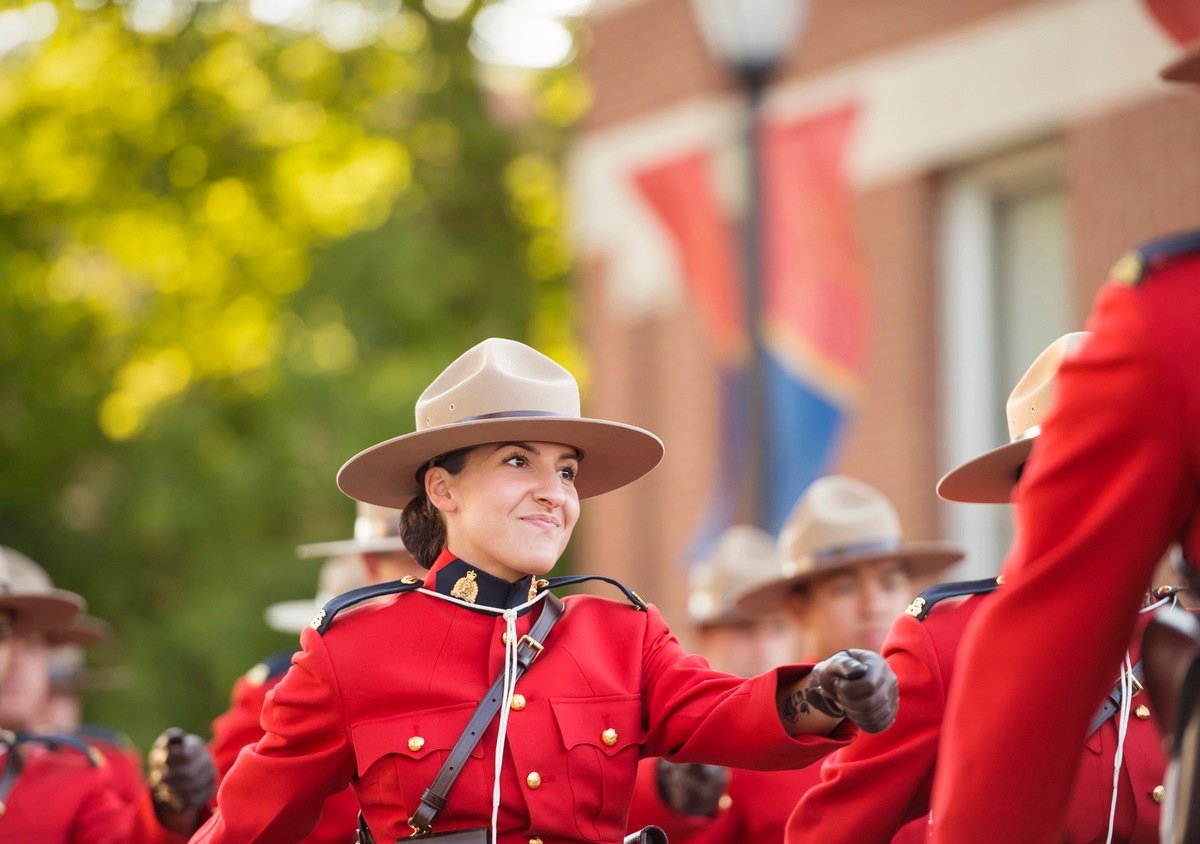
{"type": "Point", "coordinates": [417, 832]}
{"type": "Point", "coordinates": [532, 643]}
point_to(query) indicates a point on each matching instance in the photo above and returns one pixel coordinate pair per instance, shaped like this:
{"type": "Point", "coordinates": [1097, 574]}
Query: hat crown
{"type": "Point", "coordinates": [744, 555]}
{"type": "Point", "coordinates": [498, 377]}
{"type": "Point", "coordinates": [373, 522]}
{"type": "Point", "coordinates": [836, 514]}
{"type": "Point", "coordinates": [1030, 399]}
{"type": "Point", "coordinates": [22, 575]}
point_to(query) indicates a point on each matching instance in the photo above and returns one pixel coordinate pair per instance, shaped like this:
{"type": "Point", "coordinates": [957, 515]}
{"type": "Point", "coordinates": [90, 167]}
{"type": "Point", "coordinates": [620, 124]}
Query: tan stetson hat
{"type": "Point", "coordinates": [376, 529]}
{"type": "Point", "coordinates": [744, 555]}
{"type": "Point", "coordinates": [837, 524]}
{"type": "Point", "coordinates": [1185, 68]}
{"type": "Point", "coordinates": [28, 593]}
{"type": "Point", "coordinates": [989, 478]}
{"type": "Point", "coordinates": [338, 575]}
{"type": "Point", "coordinates": [500, 391]}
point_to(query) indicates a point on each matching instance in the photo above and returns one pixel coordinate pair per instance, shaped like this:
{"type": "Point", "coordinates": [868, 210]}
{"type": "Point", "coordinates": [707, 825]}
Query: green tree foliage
{"type": "Point", "coordinates": [230, 257]}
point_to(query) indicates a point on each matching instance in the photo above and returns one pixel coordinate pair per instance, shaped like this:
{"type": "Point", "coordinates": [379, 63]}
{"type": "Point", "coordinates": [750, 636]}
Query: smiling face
{"type": "Point", "coordinates": [511, 509]}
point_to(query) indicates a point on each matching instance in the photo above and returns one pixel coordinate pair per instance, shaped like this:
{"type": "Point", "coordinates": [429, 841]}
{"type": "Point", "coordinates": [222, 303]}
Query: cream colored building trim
{"type": "Point", "coordinates": [933, 105]}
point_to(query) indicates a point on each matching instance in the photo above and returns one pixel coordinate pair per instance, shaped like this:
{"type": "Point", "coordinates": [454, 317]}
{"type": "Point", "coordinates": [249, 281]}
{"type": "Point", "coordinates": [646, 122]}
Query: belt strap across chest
{"type": "Point", "coordinates": [530, 645]}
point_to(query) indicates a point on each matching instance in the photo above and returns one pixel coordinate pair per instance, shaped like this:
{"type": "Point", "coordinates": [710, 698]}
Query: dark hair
{"type": "Point", "coordinates": [421, 525]}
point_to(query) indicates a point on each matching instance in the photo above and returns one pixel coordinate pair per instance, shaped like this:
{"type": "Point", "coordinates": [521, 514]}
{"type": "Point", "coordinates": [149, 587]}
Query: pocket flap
{"type": "Point", "coordinates": [609, 724]}
{"type": "Point", "coordinates": [413, 735]}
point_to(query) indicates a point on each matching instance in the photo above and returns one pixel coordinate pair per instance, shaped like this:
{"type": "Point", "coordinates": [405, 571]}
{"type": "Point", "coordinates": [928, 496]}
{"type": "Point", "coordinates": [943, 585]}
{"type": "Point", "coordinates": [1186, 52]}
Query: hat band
{"type": "Point", "coordinates": [836, 555]}
{"type": "Point", "coordinates": [509, 414]}
{"type": "Point", "coordinates": [1027, 434]}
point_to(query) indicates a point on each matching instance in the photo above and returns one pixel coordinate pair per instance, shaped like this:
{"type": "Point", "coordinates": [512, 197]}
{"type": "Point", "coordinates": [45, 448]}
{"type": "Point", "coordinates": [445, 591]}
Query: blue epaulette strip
{"type": "Point", "coordinates": [357, 596]}
{"type": "Point", "coordinates": [58, 741]}
{"type": "Point", "coordinates": [634, 597]}
{"type": "Point", "coordinates": [278, 664]}
{"type": "Point", "coordinates": [924, 602]}
{"type": "Point", "coordinates": [1141, 262]}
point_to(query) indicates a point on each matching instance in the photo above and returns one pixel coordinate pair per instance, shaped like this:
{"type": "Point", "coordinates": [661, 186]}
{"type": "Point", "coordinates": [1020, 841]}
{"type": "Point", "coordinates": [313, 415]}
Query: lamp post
{"type": "Point", "coordinates": [751, 38]}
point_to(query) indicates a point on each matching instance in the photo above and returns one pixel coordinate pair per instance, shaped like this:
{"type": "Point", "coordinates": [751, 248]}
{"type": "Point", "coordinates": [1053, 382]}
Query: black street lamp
{"type": "Point", "coordinates": [751, 38]}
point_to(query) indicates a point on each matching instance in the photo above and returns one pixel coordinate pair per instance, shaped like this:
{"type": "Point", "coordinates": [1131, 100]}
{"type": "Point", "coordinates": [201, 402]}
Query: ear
{"type": "Point", "coordinates": [439, 487]}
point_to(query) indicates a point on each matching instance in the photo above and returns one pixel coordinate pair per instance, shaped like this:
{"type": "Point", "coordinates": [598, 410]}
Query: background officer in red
{"type": "Point", "coordinates": [1113, 480]}
{"type": "Point", "coordinates": [878, 783]}
{"type": "Point", "coordinates": [491, 481]}
{"type": "Point", "coordinates": [841, 576]}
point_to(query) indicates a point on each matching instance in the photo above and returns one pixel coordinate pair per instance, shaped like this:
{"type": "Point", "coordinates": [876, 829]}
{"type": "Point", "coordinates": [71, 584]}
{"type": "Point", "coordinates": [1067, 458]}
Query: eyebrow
{"type": "Point", "coordinates": [573, 454]}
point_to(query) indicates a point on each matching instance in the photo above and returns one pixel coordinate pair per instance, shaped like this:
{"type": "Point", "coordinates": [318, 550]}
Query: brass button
{"type": "Point", "coordinates": [1142, 712]}
{"type": "Point", "coordinates": [725, 802]}
{"type": "Point", "coordinates": [534, 780]}
{"type": "Point", "coordinates": [416, 743]}
{"type": "Point", "coordinates": [504, 637]}
{"type": "Point", "coordinates": [609, 737]}
{"type": "Point", "coordinates": [517, 703]}
{"type": "Point", "coordinates": [537, 839]}
{"type": "Point", "coordinates": [1157, 794]}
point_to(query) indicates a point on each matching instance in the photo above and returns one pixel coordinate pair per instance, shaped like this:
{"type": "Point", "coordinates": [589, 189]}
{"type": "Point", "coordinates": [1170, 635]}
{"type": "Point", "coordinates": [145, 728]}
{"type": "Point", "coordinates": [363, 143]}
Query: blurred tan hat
{"type": "Point", "coordinates": [338, 575]}
{"type": "Point", "coordinates": [500, 391]}
{"type": "Point", "coordinates": [1185, 68]}
{"type": "Point", "coordinates": [28, 593]}
{"type": "Point", "coordinates": [990, 477]}
{"type": "Point", "coordinates": [376, 529]}
{"type": "Point", "coordinates": [84, 632]}
{"type": "Point", "coordinates": [840, 523]}
{"type": "Point", "coordinates": [744, 555]}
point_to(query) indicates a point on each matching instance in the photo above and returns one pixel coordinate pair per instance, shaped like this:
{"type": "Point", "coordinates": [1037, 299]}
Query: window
{"type": "Point", "coordinates": [1005, 294]}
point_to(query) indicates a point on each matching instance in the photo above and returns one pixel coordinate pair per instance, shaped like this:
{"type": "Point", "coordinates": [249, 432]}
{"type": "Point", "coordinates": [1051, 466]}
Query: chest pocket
{"type": "Point", "coordinates": [399, 756]}
{"type": "Point", "coordinates": [602, 738]}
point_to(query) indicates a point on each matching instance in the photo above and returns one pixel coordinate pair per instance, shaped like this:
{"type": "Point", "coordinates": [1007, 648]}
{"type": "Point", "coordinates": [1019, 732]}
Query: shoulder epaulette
{"type": "Point", "coordinates": [1135, 265]}
{"type": "Point", "coordinates": [364, 593]}
{"type": "Point", "coordinates": [271, 667]}
{"type": "Point", "coordinates": [59, 741]}
{"type": "Point", "coordinates": [924, 602]}
{"type": "Point", "coordinates": [634, 597]}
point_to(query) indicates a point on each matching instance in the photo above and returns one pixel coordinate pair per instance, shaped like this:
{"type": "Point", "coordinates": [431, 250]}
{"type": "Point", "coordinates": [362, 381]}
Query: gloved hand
{"type": "Point", "coordinates": [182, 775]}
{"type": "Point", "coordinates": [690, 789]}
{"type": "Point", "coordinates": [855, 684]}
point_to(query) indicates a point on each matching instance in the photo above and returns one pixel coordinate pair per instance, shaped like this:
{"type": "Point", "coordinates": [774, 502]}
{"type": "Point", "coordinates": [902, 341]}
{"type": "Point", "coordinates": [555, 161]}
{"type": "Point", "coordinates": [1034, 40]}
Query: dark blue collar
{"type": "Point", "coordinates": [463, 581]}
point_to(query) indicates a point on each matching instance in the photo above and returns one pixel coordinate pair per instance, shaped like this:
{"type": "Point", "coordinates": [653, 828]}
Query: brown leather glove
{"type": "Point", "coordinates": [855, 684]}
{"type": "Point", "coordinates": [690, 789]}
{"type": "Point", "coordinates": [182, 775]}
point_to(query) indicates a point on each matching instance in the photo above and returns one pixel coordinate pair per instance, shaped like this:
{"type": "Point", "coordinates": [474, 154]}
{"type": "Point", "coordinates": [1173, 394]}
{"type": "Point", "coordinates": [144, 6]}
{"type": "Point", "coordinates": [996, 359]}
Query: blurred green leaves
{"type": "Point", "coordinates": [231, 255]}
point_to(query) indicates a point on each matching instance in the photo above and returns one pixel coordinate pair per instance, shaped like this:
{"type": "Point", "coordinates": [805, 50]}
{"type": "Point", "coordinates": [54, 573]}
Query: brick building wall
{"type": "Point", "coordinates": [1131, 170]}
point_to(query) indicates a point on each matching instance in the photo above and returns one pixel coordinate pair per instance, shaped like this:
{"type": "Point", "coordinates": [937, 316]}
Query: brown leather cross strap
{"type": "Point", "coordinates": [434, 798]}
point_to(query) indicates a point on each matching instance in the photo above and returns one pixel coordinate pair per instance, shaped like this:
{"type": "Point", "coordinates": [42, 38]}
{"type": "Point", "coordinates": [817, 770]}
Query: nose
{"type": "Point", "coordinates": [871, 600]}
{"type": "Point", "coordinates": [549, 488]}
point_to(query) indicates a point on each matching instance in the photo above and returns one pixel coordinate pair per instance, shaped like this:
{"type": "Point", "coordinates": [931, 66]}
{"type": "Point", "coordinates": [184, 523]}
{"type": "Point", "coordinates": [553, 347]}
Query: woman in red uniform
{"type": "Point", "coordinates": [491, 482]}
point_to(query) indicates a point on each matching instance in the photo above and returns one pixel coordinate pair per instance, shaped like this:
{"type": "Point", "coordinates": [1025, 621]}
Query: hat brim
{"type": "Point", "coordinates": [84, 632]}
{"type": "Point", "coordinates": [923, 558]}
{"type": "Point", "coordinates": [291, 616]}
{"type": "Point", "coordinates": [350, 546]}
{"type": "Point", "coordinates": [1186, 68]}
{"type": "Point", "coordinates": [614, 454]}
{"type": "Point", "coordinates": [53, 610]}
{"type": "Point", "coordinates": [988, 478]}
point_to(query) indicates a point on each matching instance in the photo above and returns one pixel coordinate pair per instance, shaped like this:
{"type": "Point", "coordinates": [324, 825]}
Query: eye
{"type": "Point", "coordinates": [568, 473]}
{"type": "Point", "coordinates": [517, 460]}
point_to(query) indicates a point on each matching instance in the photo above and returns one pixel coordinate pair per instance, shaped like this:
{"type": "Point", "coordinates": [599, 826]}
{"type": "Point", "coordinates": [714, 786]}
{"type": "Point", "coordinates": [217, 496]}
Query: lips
{"type": "Point", "coordinates": [546, 522]}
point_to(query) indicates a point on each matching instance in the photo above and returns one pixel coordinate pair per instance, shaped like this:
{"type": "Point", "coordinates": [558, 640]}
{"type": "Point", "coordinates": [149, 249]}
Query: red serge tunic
{"type": "Point", "coordinates": [1113, 479]}
{"type": "Point", "coordinates": [882, 781]}
{"type": "Point", "coordinates": [380, 699]}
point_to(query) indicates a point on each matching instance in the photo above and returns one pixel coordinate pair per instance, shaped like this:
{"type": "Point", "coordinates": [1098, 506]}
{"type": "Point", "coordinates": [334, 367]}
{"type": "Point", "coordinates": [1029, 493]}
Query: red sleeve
{"type": "Point", "coordinates": [878, 783]}
{"type": "Point", "coordinates": [1109, 485]}
{"type": "Point", "coordinates": [306, 745]}
{"type": "Point", "coordinates": [241, 724]}
{"type": "Point", "coordinates": [696, 714]}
